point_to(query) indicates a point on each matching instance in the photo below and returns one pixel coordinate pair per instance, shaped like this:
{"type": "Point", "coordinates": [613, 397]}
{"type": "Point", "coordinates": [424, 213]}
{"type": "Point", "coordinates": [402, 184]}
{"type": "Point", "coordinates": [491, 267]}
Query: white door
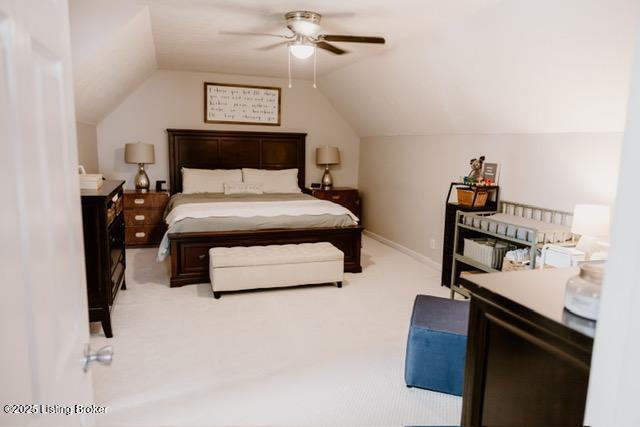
{"type": "Point", "coordinates": [43, 303]}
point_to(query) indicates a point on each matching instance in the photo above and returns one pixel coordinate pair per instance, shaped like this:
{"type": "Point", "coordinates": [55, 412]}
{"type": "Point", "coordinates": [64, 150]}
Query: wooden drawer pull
{"type": "Point", "coordinates": [138, 201]}
{"type": "Point", "coordinates": [140, 234]}
{"type": "Point", "coordinates": [201, 257]}
{"type": "Point", "coordinates": [335, 197]}
{"type": "Point", "coordinates": [139, 217]}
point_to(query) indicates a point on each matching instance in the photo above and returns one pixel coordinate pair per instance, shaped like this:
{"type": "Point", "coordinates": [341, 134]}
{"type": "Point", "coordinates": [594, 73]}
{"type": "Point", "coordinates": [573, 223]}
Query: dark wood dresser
{"type": "Point", "coordinates": [143, 217]}
{"type": "Point", "coordinates": [528, 359]}
{"type": "Point", "coordinates": [103, 229]}
{"type": "Point", "coordinates": [345, 196]}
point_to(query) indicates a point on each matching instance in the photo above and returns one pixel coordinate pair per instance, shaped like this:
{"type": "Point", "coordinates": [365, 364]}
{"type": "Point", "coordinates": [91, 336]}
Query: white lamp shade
{"type": "Point", "coordinates": [138, 152]}
{"type": "Point", "coordinates": [591, 220]}
{"type": "Point", "coordinates": [327, 155]}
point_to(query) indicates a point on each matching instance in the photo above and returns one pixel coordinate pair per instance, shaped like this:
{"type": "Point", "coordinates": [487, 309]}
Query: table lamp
{"type": "Point", "coordinates": [591, 222]}
{"type": "Point", "coordinates": [327, 156]}
{"type": "Point", "coordinates": [140, 153]}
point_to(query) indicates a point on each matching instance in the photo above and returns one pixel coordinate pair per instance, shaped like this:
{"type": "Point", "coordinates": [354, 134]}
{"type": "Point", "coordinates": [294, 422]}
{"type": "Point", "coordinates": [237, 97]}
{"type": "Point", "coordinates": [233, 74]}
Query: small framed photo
{"type": "Point", "coordinates": [490, 171]}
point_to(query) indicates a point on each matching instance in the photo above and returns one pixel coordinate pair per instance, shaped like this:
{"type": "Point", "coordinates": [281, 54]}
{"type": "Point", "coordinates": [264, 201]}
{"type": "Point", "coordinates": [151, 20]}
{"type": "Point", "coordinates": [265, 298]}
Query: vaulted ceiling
{"type": "Point", "coordinates": [488, 66]}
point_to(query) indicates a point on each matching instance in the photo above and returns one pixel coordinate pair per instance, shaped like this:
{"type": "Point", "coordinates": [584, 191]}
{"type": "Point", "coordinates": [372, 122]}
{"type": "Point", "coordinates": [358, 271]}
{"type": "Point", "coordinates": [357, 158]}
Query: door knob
{"type": "Point", "coordinates": [104, 356]}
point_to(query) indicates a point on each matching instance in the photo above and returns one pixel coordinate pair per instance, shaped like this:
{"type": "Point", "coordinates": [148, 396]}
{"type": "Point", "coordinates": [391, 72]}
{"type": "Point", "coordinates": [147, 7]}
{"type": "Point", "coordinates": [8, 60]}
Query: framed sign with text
{"type": "Point", "coordinates": [242, 104]}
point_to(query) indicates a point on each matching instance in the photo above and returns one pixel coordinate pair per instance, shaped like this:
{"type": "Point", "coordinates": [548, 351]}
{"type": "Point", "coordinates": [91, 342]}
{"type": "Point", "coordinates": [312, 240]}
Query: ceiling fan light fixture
{"type": "Point", "coordinates": [302, 50]}
{"type": "Point", "coordinates": [305, 28]}
{"type": "Point", "coordinates": [303, 22]}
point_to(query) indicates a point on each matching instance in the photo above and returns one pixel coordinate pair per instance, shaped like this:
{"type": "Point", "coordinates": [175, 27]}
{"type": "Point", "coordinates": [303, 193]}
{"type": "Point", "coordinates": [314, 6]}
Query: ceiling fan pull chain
{"type": "Point", "coordinates": [315, 53]}
{"type": "Point", "coordinates": [289, 65]}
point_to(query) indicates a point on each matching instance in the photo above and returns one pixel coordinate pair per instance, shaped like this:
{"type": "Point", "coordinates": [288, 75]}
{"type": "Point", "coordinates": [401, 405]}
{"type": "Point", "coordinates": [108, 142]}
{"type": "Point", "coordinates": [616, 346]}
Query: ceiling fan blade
{"type": "Point", "coordinates": [246, 33]}
{"type": "Point", "coordinates": [272, 46]}
{"type": "Point", "coordinates": [352, 39]}
{"type": "Point", "coordinates": [331, 48]}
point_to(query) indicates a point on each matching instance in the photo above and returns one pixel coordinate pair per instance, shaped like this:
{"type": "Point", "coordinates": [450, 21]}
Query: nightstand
{"type": "Point", "coordinates": [345, 196]}
{"type": "Point", "coordinates": [143, 217]}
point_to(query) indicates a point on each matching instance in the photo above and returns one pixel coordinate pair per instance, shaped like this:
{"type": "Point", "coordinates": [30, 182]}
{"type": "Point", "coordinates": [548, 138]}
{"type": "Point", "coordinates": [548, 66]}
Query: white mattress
{"type": "Point", "coordinates": [519, 228]}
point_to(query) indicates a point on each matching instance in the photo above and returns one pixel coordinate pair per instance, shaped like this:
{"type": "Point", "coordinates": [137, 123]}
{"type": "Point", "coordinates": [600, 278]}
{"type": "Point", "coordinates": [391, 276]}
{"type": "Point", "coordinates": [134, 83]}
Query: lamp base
{"type": "Point", "coordinates": [327, 180]}
{"type": "Point", "coordinates": [142, 180]}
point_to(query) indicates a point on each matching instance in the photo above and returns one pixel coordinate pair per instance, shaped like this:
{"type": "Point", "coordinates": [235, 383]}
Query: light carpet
{"type": "Point", "coordinates": [303, 356]}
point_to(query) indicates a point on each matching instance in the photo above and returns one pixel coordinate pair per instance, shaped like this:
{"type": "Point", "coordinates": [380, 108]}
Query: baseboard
{"type": "Point", "coordinates": [405, 250]}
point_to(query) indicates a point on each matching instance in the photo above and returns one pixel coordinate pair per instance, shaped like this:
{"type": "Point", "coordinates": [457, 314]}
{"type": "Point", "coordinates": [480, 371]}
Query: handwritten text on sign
{"type": "Point", "coordinates": [238, 104]}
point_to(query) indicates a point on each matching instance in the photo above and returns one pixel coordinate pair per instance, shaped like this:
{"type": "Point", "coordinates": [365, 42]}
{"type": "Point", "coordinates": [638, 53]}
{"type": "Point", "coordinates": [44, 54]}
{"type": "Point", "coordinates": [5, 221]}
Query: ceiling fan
{"type": "Point", "coordinates": [305, 37]}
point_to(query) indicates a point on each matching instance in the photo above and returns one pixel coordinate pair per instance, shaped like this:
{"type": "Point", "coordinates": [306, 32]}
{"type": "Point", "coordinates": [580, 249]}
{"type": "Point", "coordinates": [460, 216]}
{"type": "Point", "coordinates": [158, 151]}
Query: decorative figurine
{"type": "Point", "coordinates": [476, 168]}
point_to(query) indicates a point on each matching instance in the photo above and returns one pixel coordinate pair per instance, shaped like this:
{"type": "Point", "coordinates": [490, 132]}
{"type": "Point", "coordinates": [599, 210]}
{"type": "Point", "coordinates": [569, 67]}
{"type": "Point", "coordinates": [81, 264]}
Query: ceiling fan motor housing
{"type": "Point", "coordinates": [303, 22]}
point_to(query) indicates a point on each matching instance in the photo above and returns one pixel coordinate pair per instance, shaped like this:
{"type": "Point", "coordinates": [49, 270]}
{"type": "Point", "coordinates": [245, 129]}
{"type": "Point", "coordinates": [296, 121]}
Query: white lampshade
{"type": "Point", "coordinates": [591, 220]}
{"type": "Point", "coordinates": [138, 152]}
{"type": "Point", "coordinates": [301, 50]}
{"type": "Point", "coordinates": [327, 155]}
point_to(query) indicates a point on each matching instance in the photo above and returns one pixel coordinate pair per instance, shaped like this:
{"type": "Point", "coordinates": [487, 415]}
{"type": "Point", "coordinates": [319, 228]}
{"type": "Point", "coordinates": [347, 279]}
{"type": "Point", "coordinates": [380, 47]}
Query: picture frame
{"type": "Point", "coordinates": [491, 171]}
{"type": "Point", "coordinates": [242, 104]}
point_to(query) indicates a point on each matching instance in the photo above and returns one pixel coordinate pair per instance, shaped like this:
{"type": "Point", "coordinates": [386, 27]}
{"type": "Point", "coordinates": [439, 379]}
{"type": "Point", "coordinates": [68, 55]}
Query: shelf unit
{"type": "Point", "coordinates": [104, 254]}
{"type": "Point", "coordinates": [451, 208]}
{"type": "Point", "coordinates": [462, 263]}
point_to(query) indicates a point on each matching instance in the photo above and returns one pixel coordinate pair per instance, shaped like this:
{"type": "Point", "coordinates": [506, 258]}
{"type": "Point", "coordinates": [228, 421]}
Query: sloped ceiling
{"type": "Point", "coordinates": [516, 66]}
{"type": "Point", "coordinates": [113, 52]}
{"type": "Point", "coordinates": [189, 35]}
{"type": "Point", "coordinates": [464, 66]}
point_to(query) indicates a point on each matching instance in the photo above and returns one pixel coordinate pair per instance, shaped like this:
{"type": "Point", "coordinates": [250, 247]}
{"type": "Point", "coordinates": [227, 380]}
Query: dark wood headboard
{"type": "Point", "coordinates": [217, 149]}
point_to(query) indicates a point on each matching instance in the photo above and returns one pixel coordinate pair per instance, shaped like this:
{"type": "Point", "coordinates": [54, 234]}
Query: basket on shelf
{"type": "Point", "coordinates": [465, 197]}
{"type": "Point", "coordinates": [489, 252]}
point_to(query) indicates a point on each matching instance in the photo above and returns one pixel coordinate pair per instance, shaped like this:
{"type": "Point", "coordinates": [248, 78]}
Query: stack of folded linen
{"type": "Point", "coordinates": [90, 181]}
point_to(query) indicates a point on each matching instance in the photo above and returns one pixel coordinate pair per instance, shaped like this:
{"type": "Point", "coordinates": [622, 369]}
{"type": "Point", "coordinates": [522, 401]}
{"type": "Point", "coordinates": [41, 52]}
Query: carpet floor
{"type": "Point", "coordinates": [301, 356]}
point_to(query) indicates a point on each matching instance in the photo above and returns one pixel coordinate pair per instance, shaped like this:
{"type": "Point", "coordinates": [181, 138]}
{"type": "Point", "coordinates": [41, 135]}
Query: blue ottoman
{"type": "Point", "coordinates": [437, 344]}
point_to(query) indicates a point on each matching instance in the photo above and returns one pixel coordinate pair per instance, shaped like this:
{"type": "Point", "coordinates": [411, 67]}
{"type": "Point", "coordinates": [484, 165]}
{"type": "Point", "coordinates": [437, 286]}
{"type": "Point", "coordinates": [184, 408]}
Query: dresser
{"type": "Point", "coordinates": [143, 214]}
{"type": "Point", "coordinates": [104, 255]}
{"type": "Point", "coordinates": [345, 196]}
{"type": "Point", "coordinates": [528, 359]}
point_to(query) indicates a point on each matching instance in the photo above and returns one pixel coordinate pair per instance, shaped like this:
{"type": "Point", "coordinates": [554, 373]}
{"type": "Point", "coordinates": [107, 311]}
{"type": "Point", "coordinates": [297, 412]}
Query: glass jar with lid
{"type": "Point", "coordinates": [582, 295]}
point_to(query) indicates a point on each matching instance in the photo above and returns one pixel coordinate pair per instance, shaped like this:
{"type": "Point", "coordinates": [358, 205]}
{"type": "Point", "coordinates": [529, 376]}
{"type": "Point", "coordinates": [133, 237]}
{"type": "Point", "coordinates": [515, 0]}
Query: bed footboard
{"type": "Point", "coordinates": [190, 251]}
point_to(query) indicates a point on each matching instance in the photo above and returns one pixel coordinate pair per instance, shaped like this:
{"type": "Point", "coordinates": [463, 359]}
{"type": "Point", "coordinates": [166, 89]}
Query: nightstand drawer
{"type": "Point", "coordinates": [145, 200]}
{"type": "Point", "coordinates": [143, 234]}
{"type": "Point", "coordinates": [340, 197]}
{"type": "Point", "coordinates": [347, 197]}
{"type": "Point", "coordinates": [134, 217]}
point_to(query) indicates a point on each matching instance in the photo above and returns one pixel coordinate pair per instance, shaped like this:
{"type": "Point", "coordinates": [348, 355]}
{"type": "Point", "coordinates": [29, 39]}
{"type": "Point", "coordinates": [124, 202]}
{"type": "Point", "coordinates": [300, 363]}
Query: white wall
{"type": "Point", "coordinates": [614, 383]}
{"type": "Point", "coordinates": [174, 99]}
{"type": "Point", "coordinates": [404, 179]}
{"type": "Point", "coordinates": [87, 137]}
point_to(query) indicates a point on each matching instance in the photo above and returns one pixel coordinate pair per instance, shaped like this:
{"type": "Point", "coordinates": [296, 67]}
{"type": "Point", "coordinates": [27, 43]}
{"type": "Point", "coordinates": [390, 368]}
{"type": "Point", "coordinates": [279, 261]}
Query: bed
{"type": "Point", "coordinates": [188, 241]}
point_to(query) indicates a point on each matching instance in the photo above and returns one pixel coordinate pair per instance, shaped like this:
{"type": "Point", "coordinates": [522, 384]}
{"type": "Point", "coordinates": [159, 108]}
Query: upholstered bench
{"type": "Point", "coordinates": [437, 344]}
{"type": "Point", "coordinates": [254, 267]}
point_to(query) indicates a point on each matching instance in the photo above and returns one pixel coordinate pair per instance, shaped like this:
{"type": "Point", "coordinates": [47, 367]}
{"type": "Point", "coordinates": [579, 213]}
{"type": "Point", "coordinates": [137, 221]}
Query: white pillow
{"type": "Point", "coordinates": [242, 188]}
{"type": "Point", "coordinates": [208, 180]}
{"type": "Point", "coordinates": [273, 181]}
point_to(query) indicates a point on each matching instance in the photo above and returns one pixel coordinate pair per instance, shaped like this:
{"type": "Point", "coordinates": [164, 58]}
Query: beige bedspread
{"type": "Point", "coordinates": [245, 223]}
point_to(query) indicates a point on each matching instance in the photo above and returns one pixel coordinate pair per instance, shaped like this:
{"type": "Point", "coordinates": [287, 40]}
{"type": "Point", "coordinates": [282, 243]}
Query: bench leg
{"type": "Point", "coordinates": [339, 284]}
{"type": "Point", "coordinates": [216, 295]}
